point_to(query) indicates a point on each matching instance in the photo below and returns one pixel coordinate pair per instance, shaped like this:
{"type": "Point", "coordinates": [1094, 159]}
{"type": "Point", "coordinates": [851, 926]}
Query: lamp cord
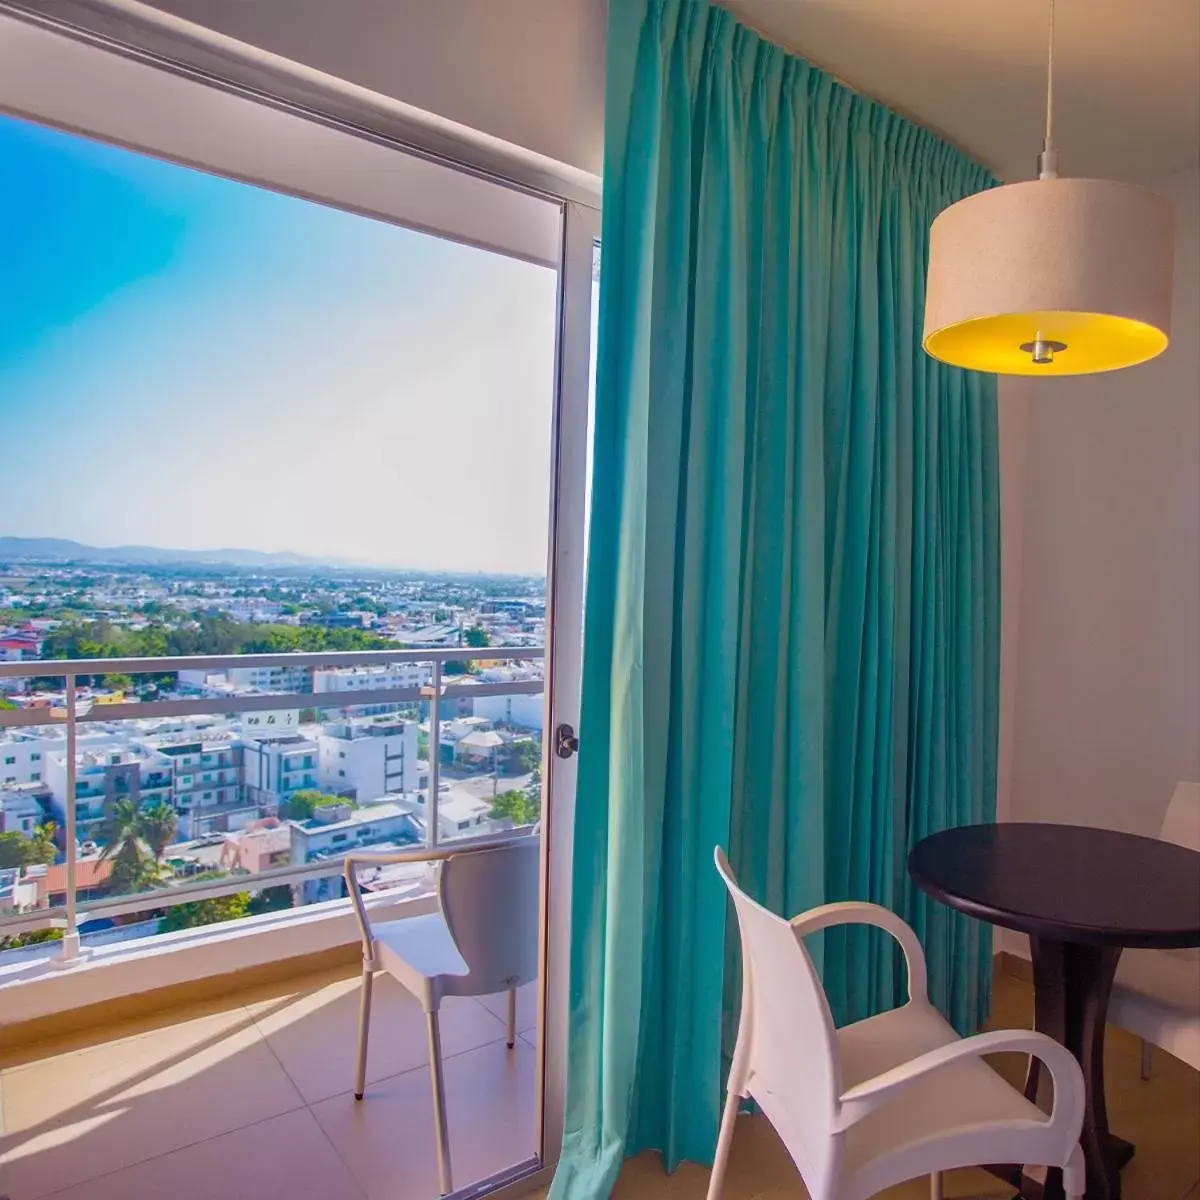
{"type": "Point", "coordinates": [1048, 159]}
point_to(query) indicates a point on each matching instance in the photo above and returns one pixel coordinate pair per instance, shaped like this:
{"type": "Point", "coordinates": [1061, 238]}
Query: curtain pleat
{"type": "Point", "coordinates": [792, 635]}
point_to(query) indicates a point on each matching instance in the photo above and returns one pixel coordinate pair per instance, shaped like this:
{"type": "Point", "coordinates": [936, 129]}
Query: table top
{"type": "Point", "coordinates": [1067, 882]}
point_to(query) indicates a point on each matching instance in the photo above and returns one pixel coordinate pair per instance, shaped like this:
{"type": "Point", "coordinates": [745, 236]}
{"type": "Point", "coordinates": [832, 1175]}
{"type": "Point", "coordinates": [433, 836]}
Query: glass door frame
{"type": "Point", "coordinates": [577, 197]}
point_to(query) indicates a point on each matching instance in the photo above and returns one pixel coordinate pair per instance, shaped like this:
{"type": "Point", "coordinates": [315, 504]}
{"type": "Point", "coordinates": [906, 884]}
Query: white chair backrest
{"type": "Point", "coordinates": [490, 901]}
{"type": "Point", "coordinates": [792, 1061]}
{"type": "Point", "coordinates": [1181, 825]}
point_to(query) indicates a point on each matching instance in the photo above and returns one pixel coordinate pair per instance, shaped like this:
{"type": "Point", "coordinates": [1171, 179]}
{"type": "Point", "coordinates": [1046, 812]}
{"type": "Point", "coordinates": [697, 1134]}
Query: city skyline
{"type": "Point", "coordinates": [192, 363]}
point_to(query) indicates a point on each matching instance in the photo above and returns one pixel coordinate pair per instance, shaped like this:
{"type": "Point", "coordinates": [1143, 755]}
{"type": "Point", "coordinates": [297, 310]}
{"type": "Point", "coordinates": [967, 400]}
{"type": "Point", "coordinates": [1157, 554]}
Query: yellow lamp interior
{"type": "Point", "coordinates": [1094, 342]}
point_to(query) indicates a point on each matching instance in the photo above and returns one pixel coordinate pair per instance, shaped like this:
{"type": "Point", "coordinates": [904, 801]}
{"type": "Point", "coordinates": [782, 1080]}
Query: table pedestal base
{"type": "Point", "coordinates": [1031, 1187]}
{"type": "Point", "coordinates": [1072, 984]}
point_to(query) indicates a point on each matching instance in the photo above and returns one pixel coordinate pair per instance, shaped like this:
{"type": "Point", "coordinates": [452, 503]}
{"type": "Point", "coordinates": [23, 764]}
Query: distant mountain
{"type": "Point", "coordinates": [64, 550]}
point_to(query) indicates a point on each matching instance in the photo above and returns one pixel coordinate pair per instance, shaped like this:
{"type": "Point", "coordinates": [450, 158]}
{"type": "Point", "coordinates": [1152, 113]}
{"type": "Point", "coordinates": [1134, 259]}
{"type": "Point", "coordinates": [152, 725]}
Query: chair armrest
{"type": "Point", "coordinates": [865, 1097]}
{"type": "Point", "coordinates": [853, 912]}
{"type": "Point", "coordinates": [352, 862]}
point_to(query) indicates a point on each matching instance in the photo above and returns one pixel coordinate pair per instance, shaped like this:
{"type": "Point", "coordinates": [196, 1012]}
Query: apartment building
{"type": "Point", "coordinates": [334, 831]}
{"type": "Point", "coordinates": [252, 678]}
{"type": "Point", "coordinates": [105, 772]}
{"type": "Point", "coordinates": [278, 766]}
{"type": "Point", "coordinates": [370, 679]}
{"type": "Point", "coordinates": [23, 806]}
{"type": "Point", "coordinates": [368, 758]}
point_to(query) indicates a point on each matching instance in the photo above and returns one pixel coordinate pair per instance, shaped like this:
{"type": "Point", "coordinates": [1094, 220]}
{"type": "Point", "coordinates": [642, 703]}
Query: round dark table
{"type": "Point", "coordinates": [1082, 895]}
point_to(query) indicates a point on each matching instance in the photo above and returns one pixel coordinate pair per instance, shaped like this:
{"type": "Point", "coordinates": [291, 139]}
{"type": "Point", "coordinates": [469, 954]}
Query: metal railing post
{"type": "Point", "coordinates": [435, 754]}
{"type": "Point", "coordinates": [71, 950]}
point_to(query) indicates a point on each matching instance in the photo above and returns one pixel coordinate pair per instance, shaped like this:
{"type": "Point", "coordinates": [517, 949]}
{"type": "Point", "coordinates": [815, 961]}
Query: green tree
{"type": "Point", "coordinates": [205, 912]}
{"type": "Point", "coordinates": [6, 706]}
{"type": "Point", "coordinates": [17, 850]}
{"type": "Point", "coordinates": [477, 636]}
{"type": "Point", "coordinates": [118, 682]}
{"type": "Point", "coordinates": [12, 849]}
{"type": "Point", "coordinates": [522, 757]}
{"type": "Point", "coordinates": [35, 937]}
{"type": "Point", "coordinates": [299, 806]}
{"type": "Point", "coordinates": [41, 848]}
{"type": "Point", "coordinates": [523, 809]}
{"type": "Point", "coordinates": [133, 869]}
{"type": "Point", "coordinates": [157, 824]}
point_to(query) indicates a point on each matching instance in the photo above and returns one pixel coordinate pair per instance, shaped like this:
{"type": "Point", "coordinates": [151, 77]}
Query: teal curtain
{"type": "Point", "coordinates": [792, 635]}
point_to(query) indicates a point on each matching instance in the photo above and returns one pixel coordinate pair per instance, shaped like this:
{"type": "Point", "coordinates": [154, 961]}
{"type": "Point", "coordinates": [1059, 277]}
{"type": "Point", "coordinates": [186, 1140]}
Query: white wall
{"type": "Point", "coordinates": [528, 71]}
{"type": "Point", "coordinates": [1102, 576]}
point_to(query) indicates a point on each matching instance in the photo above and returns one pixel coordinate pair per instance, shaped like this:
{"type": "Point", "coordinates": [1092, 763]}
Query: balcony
{"type": "Point", "coordinates": [250, 1095]}
{"type": "Point", "coordinates": [178, 1100]}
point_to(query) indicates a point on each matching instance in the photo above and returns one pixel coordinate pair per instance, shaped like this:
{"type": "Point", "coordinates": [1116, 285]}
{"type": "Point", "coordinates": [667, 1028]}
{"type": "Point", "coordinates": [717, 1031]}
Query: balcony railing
{"type": "Point", "coordinates": [75, 715]}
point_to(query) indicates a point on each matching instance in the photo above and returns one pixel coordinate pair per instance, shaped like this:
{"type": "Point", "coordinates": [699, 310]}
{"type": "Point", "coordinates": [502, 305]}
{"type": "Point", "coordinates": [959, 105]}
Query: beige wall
{"type": "Point", "coordinates": [528, 71]}
{"type": "Point", "coordinates": [1101, 666]}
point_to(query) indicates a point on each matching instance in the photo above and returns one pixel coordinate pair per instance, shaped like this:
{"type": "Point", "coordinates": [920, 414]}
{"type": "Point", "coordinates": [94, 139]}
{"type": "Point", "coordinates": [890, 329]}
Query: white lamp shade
{"type": "Point", "coordinates": [1085, 264]}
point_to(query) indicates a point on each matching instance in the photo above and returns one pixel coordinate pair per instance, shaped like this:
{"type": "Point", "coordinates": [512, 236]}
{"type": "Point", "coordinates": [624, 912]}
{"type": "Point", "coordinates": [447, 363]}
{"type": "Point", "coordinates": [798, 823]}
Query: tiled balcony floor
{"type": "Point", "coordinates": [251, 1100]}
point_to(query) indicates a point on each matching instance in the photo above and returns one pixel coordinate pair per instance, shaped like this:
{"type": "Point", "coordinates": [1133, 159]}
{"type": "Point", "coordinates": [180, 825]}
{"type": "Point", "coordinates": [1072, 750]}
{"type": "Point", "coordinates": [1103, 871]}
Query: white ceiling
{"type": "Point", "coordinates": [1127, 73]}
{"type": "Point", "coordinates": [531, 71]}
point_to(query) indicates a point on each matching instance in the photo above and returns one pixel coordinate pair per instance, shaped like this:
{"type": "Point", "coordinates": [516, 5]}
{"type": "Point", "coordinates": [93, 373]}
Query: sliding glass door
{"type": "Point", "coordinates": [302, 421]}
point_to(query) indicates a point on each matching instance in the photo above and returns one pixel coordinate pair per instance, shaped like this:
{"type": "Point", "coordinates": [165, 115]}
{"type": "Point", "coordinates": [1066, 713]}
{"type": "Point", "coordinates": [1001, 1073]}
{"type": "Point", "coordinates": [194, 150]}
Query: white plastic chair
{"type": "Point", "coordinates": [1156, 994]}
{"type": "Point", "coordinates": [482, 940]}
{"type": "Point", "coordinates": [887, 1099]}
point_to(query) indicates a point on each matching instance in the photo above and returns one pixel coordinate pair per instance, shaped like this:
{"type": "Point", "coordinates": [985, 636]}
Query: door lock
{"type": "Point", "coordinates": [565, 741]}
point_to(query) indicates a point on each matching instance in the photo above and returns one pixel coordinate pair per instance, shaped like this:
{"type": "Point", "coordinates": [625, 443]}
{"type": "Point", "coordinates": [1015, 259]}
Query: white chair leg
{"type": "Point", "coordinates": [1075, 1175]}
{"type": "Point", "coordinates": [512, 1017]}
{"type": "Point", "coordinates": [441, 1127]}
{"type": "Point", "coordinates": [364, 1025]}
{"type": "Point", "coordinates": [1145, 1059]}
{"type": "Point", "coordinates": [724, 1140]}
{"type": "Point", "coordinates": [935, 1186]}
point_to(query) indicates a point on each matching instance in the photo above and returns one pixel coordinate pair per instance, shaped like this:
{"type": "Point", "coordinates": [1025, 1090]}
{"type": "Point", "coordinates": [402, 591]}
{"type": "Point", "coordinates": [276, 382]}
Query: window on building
{"type": "Point", "coordinates": [35, 757]}
{"type": "Point", "coordinates": [35, 776]}
{"type": "Point", "coordinates": [341, 774]}
{"type": "Point", "coordinates": [340, 837]}
{"type": "Point", "coordinates": [8, 762]}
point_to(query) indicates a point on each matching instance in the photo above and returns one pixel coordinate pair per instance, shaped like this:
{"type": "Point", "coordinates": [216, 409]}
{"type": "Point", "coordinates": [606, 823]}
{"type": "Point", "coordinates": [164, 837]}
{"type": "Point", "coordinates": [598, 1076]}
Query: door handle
{"type": "Point", "coordinates": [565, 742]}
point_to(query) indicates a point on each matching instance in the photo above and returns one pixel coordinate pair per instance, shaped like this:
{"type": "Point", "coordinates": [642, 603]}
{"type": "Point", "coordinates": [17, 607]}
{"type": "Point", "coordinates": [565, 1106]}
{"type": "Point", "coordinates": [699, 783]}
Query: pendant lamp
{"type": "Point", "coordinates": [1051, 277]}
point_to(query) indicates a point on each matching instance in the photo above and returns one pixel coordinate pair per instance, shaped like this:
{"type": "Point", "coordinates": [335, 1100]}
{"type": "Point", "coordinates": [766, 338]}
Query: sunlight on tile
{"type": "Point", "coordinates": [78, 1115]}
{"type": "Point", "coordinates": [387, 1139]}
{"type": "Point", "coordinates": [284, 1157]}
{"type": "Point", "coordinates": [315, 1035]}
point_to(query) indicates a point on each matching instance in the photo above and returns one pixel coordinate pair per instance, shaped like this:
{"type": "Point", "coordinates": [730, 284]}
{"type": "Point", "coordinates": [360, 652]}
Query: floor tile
{"type": "Point", "coordinates": [84, 1113]}
{"type": "Point", "coordinates": [388, 1139]}
{"type": "Point", "coordinates": [315, 1035]}
{"type": "Point", "coordinates": [113, 1031]}
{"type": "Point", "coordinates": [527, 1002]}
{"type": "Point", "coordinates": [284, 1158]}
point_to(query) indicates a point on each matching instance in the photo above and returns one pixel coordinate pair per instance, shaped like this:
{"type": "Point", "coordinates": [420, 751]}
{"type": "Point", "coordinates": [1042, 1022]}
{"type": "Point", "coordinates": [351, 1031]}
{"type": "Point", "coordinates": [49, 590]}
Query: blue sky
{"type": "Point", "coordinates": [191, 362]}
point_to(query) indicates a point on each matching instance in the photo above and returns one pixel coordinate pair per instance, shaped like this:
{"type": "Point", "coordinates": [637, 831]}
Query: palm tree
{"type": "Point", "coordinates": [133, 869]}
{"type": "Point", "coordinates": [157, 822]}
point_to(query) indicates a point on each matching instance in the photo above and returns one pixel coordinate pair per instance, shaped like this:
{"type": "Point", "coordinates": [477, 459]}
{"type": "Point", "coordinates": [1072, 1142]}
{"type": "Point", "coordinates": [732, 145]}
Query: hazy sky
{"type": "Point", "coordinates": [193, 363]}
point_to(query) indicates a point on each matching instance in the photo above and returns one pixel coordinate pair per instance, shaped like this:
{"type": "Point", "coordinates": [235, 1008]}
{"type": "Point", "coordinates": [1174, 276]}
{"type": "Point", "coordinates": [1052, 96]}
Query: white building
{"type": "Point", "coordinates": [23, 756]}
{"type": "Point", "coordinates": [370, 679]}
{"type": "Point", "coordinates": [334, 831]}
{"type": "Point", "coordinates": [513, 712]}
{"type": "Point", "coordinates": [370, 757]}
{"type": "Point", "coordinates": [460, 812]}
{"type": "Point", "coordinates": [104, 772]}
{"type": "Point", "coordinates": [276, 767]}
{"type": "Point", "coordinates": [253, 679]}
{"type": "Point", "coordinates": [21, 808]}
